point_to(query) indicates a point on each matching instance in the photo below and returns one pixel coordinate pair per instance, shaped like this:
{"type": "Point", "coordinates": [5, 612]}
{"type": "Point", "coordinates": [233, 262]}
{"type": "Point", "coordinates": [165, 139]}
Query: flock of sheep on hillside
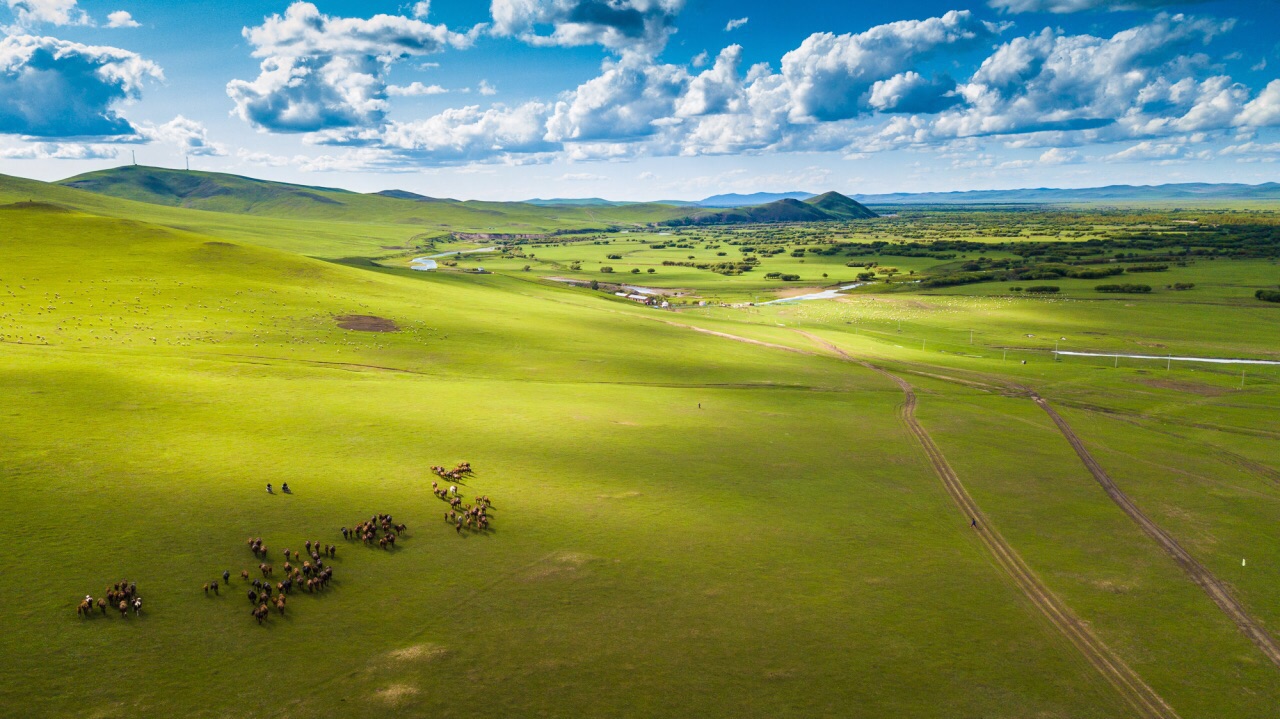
{"type": "Point", "coordinates": [312, 575]}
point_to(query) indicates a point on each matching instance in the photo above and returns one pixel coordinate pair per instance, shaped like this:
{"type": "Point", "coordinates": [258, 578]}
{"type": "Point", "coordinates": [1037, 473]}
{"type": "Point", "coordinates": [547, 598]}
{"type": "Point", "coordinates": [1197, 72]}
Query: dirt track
{"type": "Point", "coordinates": [1199, 574]}
{"type": "Point", "coordinates": [1142, 698]}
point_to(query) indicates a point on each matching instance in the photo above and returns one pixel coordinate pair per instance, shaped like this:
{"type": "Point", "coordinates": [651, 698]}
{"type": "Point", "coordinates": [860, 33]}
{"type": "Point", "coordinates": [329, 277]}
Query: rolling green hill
{"type": "Point", "coordinates": [233, 194]}
{"type": "Point", "coordinates": [837, 205]}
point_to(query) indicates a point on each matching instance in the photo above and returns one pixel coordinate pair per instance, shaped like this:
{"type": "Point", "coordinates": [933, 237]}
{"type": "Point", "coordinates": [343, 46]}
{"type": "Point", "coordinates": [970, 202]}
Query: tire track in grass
{"type": "Point", "coordinates": [1141, 697]}
{"type": "Point", "coordinates": [1199, 574]}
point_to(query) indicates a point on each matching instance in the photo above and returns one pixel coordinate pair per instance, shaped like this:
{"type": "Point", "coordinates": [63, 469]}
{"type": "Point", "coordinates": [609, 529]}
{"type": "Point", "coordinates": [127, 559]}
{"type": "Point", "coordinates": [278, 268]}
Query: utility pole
{"type": "Point", "coordinates": [1241, 379]}
{"type": "Point", "coordinates": [1168, 362]}
{"type": "Point", "coordinates": [1055, 350]}
{"type": "Point", "coordinates": [188, 163]}
{"type": "Point", "coordinates": [970, 336]}
{"type": "Point", "coordinates": [134, 155]}
{"type": "Point", "coordinates": [1117, 364]}
{"type": "Point", "coordinates": [1004, 355]}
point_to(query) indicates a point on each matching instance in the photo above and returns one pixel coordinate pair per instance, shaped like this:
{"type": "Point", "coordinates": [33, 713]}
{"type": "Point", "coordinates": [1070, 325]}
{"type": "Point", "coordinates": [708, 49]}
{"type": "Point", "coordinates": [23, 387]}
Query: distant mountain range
{"type": "Point", "coordinates": [729, 200]}
{"type": "Point", "coordinates": [1223, 192]}
{"type": "Point", "coordinates": [220, 192]}
{"type": "Point", "coordinates": [1111, 193]}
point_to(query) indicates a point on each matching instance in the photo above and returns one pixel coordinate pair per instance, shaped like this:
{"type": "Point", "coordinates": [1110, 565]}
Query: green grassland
{"type": "Point", "coordinates": [685, 525]}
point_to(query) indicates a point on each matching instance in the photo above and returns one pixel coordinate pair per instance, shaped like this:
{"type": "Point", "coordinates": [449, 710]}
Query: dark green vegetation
{"type": "Point", "coordinates": [783, 549]}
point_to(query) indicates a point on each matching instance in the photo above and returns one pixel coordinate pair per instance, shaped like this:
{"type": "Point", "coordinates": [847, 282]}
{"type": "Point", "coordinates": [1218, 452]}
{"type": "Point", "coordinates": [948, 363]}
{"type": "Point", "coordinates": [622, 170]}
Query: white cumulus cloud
{"type": "Point", "coordinates": [52, 12]}
{"type": "Point", "coordinates": [414, 89]}
{"type": "Point", "coordinates": [56, 88]}
{"type": "Point", "coordinates": [121, 18]}
{"type": "Point", "coordinates": [189, 136]}
{"type": "Point", "coordinates": [322, 72]}
{"type": "Point", "coordinates": [832, 76]}
{"type": "Point", "coordinates": [735, 24]}
{"type": "Point", "coordinates": [624, 26]}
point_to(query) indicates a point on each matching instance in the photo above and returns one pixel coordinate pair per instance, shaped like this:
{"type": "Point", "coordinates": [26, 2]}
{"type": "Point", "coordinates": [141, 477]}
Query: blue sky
{"type": "Point", "coordinates": [647, 99]}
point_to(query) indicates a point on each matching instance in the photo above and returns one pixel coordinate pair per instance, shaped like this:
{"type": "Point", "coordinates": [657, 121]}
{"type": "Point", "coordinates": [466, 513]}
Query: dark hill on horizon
{"type": "Point", "coordinates": [827, 207]}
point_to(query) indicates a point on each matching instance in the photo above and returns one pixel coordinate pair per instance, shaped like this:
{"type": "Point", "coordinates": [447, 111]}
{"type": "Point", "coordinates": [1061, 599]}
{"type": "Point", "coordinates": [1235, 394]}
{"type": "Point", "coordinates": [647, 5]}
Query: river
{"type": "Point", "coordinates": [429, 262]}
{"type": "Point", "coordinates": [823, 295]}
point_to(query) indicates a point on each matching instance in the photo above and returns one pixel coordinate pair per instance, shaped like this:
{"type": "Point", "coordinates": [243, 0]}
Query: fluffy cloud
{"type": "Point", "coordinates": [53, 12]}
{"type": "Point", "coordinates": [623, 26]}
{"type": "Point", "coordinates": [716, 90]}
{"type": "Point", "coordinates": [1135, 82]}
{"type": "Point", "coordinates": [414, 89]}
{"type": "Point", "coordinates": [55, 88]}
{"type": "Point", "coordinates": [121, 18]}
{"type": "Point", "coordinates": [735, 24]}
{"type": "Point", "coordinates": [1059, 156]}
{"type": "Point", "coordinates": [832, 77]}
{"type": "Point", "coordinates": [1173, 151]}
{"type": "Point", "coordinates": [457, 135]}
{"type": "Point", "coordinates": [189, 136]}
{"type": "Point", "coordinates": [60, 151]}
{"type": "Point", "coordinates": [1264, 110]}
{"type": "Point", "coordinates": [627, 101]}
{"type": "Point", "coordinates": [912, 92]}
{"type": "Point", "coordinates": [320, 72]}
{"type": "Point", "coordinates": [1070, 6]}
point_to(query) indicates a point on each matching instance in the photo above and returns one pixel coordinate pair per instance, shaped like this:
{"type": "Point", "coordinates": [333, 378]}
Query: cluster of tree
{"type": "Point", "coordinates": [1148, 268]}
{"type": "Point", "coordinates": [1268, 295]}
{"type": "Point", "coordinates": [781, 276]}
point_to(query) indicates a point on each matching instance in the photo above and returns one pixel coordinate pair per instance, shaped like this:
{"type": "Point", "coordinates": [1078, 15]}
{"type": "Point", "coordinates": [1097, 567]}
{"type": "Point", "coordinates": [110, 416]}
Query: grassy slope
{"type": "Point", "coordinates": [751, 557]}
{"type": "Point", "coordinates": [647, 554]}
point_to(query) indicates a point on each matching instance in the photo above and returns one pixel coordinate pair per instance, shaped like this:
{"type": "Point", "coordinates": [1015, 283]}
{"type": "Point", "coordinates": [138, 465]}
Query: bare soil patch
{"type": "Point", "coordinates": [1204, 390]}
{"type": "Point", "coordinates": [419, 652]}
{"type": "Point", "coordinates": [367, 323]}
{"type": "Point", "coordinates": [396, 693]}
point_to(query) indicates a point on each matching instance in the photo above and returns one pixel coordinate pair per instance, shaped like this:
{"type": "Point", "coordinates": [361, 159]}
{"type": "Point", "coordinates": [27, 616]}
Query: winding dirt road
{"type": "Point", "coordinates": [1199, 574]}
{"type": "Point", "coordinates": [1141, 697]}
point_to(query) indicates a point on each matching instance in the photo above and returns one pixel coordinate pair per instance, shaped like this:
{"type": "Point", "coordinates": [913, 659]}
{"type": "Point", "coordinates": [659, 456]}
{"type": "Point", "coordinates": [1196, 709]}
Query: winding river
{"type": "Point", "coordinates": [429, 262]}
{"type": "Point", "coordinates": [823, 295]}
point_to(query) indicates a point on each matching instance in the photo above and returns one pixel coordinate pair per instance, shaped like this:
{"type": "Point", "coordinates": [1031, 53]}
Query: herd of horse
{"type": "Point", "coordinates": [311, 575]}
